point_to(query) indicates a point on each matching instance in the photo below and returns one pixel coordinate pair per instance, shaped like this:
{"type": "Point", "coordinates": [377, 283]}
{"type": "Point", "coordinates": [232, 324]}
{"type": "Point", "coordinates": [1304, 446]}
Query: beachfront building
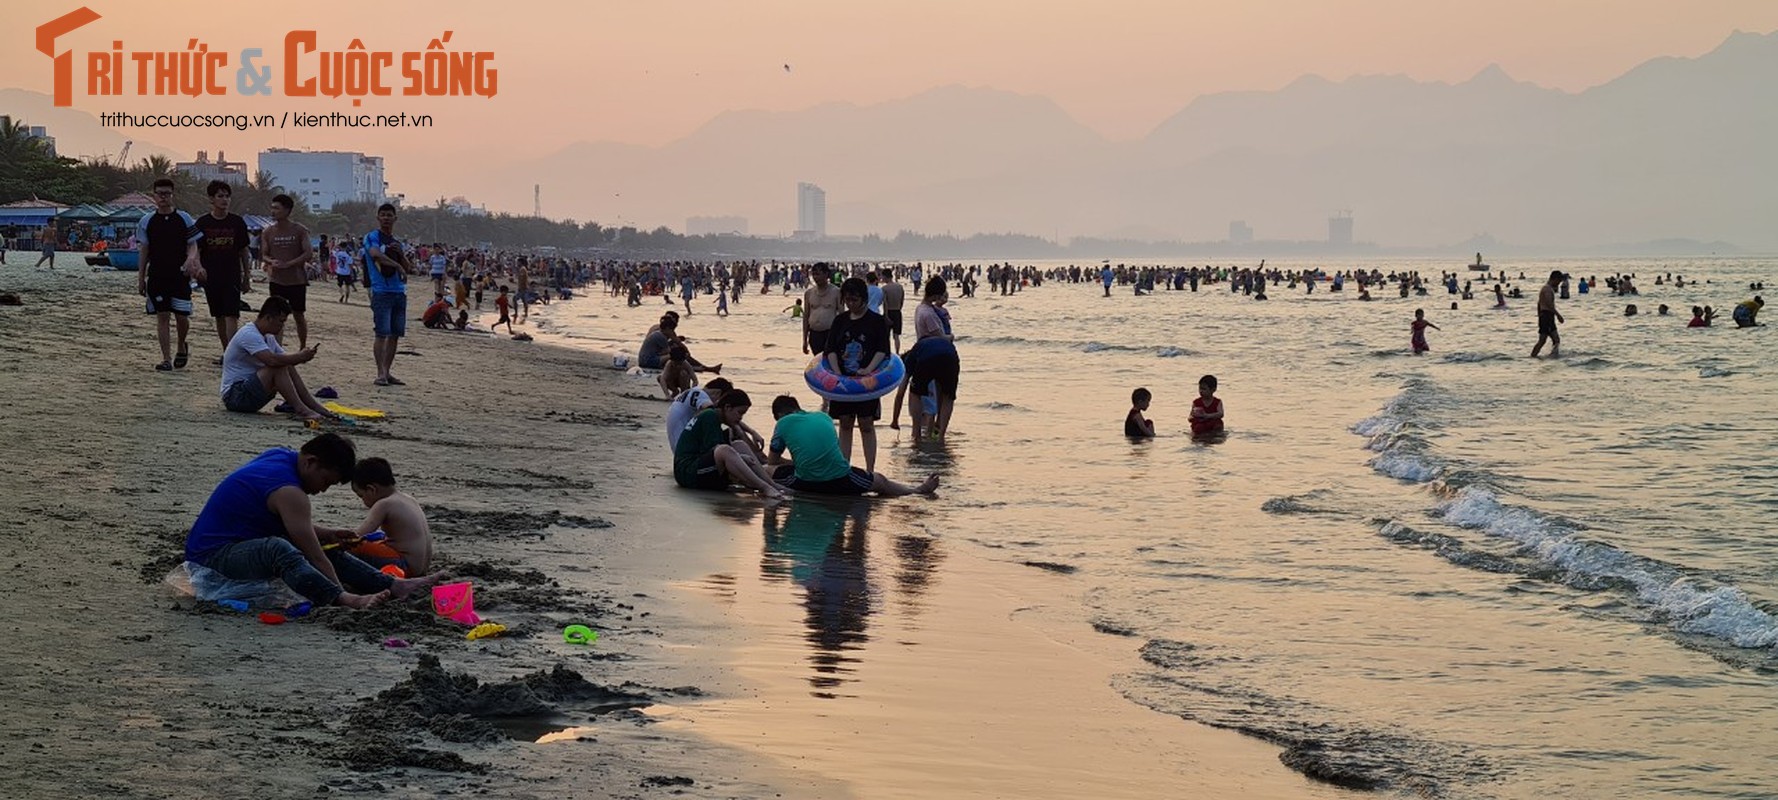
{"type": "Point", "coordinates": [34, 133]}
{"type": "Point", "coordinates": [325, 178]}
{"type": "Point", "coordinates": [203, 170]}
{"type": "Point", "coordinates": [1240, 232]}
{"type": "Point", "coordinates": [707, 226]}
{"type": "Point", "coordinates": [811, 213]}
{"type": "Point", "coordinates": [461, 207]}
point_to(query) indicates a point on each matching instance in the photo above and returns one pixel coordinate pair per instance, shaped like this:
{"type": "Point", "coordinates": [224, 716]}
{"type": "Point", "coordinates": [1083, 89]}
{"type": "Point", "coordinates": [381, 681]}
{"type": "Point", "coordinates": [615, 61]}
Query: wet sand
{"type": "Point", "coordinates": [546, 477]}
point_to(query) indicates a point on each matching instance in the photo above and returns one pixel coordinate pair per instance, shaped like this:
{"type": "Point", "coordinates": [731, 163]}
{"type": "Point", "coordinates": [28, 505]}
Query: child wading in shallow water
{"type": "Point", "coordinates": [1206, 417]}
{"type": "Point", "coordinates": [1419, 327]}
{"type": "Point", "coordinates": [1135, 425]}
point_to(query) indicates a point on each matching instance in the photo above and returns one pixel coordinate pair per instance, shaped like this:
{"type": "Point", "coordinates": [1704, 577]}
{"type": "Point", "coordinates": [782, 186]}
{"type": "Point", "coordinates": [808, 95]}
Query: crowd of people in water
{"type": "Point", "coordinates": [851, 318]}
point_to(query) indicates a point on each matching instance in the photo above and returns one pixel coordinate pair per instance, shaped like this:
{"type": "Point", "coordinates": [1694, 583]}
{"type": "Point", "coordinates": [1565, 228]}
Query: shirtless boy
{"type": "Point", "coordinates": [408, 543]}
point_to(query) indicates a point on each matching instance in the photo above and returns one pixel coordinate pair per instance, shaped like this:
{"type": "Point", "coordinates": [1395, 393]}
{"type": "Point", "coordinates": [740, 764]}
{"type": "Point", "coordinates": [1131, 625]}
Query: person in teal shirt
{"type": "Point", "coordinates": [818, 466]}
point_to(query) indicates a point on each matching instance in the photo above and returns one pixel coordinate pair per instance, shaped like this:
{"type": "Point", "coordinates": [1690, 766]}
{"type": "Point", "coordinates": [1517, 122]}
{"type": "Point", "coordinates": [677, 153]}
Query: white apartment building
{"type": "Point", "coordinates": [325, 178]}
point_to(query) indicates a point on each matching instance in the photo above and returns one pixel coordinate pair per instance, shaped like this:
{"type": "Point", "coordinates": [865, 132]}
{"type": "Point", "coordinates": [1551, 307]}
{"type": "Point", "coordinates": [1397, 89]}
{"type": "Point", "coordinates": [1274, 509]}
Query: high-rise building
{"type": "Point", "coordinates": [811, 212]}
{"type": "Point", "coordinates": [1339, 228]}
{"type": "Point", "coordinates": [1240, 232]}
{"type": "Point", "coordinates": [325, 178]}
{"type": "Point", "coordinates": [204, 170]}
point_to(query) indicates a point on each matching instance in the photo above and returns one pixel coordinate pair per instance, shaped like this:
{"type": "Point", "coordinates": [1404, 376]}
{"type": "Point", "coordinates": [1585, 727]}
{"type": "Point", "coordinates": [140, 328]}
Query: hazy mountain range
{"type": "Point", "coordinates": [1675, 148]}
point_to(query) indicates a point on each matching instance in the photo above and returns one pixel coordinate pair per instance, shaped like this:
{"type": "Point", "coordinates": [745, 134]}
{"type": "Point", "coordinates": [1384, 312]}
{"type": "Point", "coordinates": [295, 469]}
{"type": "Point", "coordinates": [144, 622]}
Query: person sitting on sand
{"type": "Point", "coordinates": [817, 464]}
{"type": "Point", "coordinates": [659, 342]}
{"type": "Point", "coordinates": [258, 525]}
{"type": "Point", "coordinates": [255, 366]}
{"type": "Point", "coordinates": [705, 458]}
{"type": "Point", "coordinates": [407, 542]}
{"type": "Point", "coordinates": [682, 409]}
{"type": "Point", "coordinates": [437, 315]}
{"type": "Point", "coordinates": [677, 376]}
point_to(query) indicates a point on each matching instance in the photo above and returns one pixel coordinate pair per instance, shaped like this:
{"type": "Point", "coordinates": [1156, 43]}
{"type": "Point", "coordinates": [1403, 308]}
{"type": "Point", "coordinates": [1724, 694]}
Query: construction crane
{"type": "Point", "coordinates": [123, 156]}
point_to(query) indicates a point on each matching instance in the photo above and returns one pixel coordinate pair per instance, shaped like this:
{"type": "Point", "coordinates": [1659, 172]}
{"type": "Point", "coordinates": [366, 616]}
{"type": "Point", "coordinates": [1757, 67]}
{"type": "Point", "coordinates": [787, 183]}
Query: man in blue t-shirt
{"type": "Point", "coordinates": [257, 525]}
{"type": "Point", "coordinates": [387, 265]}
{"type": "Point", "coordinates": [818, 465]}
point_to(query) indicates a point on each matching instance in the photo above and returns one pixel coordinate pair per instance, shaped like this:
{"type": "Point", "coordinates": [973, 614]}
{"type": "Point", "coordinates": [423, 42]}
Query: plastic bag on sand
{"type": "Point", "coordinates": [202, 583]}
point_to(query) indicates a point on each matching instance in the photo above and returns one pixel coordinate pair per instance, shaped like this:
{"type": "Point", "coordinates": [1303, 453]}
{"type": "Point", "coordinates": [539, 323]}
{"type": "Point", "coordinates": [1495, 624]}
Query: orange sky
{"type": "Point", "coordinates": [649, 72]}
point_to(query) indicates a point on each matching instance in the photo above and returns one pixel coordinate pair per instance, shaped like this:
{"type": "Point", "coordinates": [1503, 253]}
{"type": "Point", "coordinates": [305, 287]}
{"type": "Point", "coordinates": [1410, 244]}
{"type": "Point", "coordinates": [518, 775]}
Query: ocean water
{"type": "Point", "coordinates": [1465, 574]}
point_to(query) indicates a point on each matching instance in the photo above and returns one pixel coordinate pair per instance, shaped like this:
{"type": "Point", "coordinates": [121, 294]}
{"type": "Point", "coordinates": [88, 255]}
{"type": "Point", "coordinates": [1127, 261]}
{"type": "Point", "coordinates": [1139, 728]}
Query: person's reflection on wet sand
{"type": "Point", "coordinates": [813, 545]}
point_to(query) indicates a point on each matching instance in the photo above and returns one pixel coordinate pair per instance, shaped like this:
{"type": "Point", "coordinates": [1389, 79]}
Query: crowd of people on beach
{"type": "Point", "coordinates": [851, 329]}
{"type": "Point", "coordinates": [850, 317]}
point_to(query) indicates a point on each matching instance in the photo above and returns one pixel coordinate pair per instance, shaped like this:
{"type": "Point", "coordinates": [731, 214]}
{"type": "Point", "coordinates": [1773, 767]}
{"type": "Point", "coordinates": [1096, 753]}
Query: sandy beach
{"type": "Point", "coordinates": [543, 472]}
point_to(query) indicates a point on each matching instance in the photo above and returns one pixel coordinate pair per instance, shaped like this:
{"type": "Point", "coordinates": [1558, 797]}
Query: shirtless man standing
{"type": "Point", "coordinates": [1548, 316]}
{"type": "Point", "coordinates": [893, 299]}
{"type": "Point", "coordinates": [821, 303]}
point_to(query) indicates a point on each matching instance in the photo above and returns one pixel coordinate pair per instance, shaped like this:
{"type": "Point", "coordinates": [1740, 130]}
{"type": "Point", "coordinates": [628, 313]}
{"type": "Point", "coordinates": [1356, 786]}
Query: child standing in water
{"type": "Point", "coordinates": [1206, 416]}
{"type": "Point", "coordinates": [1135, 426]}
{"type": "Point", "coordinates": [1419, 327]}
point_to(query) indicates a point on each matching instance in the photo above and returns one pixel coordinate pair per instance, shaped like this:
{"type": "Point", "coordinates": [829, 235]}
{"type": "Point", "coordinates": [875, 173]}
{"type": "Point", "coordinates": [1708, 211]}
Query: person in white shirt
{"type": "Point", "coordinates": [255, 367]}
{"type": "Point", "coordinates": [685, 407]}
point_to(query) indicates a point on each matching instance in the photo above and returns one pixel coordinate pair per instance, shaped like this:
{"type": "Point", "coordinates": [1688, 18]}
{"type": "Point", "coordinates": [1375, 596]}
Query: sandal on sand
{"type": "Point", "coordinates": [394, 381]}
{"type": "Point", "coordinates": [180, 359]}
{"type": "Point", "coordinates": [381, 381]}
{"type": "Point", "coordinates": [164, 366]}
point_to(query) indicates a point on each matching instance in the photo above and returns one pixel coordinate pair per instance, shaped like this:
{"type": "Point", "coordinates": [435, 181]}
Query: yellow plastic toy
{"type": "Point", "coordinates": [354, 413]}
{"type": "Point", "coordinates": [485, 630]}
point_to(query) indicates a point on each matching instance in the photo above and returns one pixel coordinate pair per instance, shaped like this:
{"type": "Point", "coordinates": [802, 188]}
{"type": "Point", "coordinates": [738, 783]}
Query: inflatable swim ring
{"type": "Point", "coordinates": [854, 388]}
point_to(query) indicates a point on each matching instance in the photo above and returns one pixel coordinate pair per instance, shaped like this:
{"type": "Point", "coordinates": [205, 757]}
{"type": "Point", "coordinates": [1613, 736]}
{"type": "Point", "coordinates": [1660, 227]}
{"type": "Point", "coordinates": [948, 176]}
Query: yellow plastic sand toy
{"type": "Point", "coordinates": [354, 413]}
{"type": "Point", "coordinates": [485, 630]}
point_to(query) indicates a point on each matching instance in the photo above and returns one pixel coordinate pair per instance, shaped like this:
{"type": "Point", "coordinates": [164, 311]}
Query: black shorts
{"type": "Point", "coordinates": [817, 341]}
{"type": "Point", "coordinates": [297, 295]}
{"type": "Point", "coordinates": [168, 303]}
{"type": "Point", "coordinates": [345, 280]}
{"type": "Point", "coordinates": [705, 474]}
{"type": "Point", "coordinates": [861, 409]}
{"type": "Point", "coordinates": [942, 367]}
{"type": "Point", "coordinates": [1546, 323]}
{"type": "Point", "coordinates": [853, 483]}
{"type": "Point", "coordinates": [894, 317]}
{"type": "Point", "coordinates": [223, 297]}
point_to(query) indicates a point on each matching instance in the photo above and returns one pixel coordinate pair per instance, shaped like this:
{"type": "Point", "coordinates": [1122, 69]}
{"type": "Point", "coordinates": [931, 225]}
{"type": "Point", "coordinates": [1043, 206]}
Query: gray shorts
{"type": "Point", "coordinates": [247, 396]}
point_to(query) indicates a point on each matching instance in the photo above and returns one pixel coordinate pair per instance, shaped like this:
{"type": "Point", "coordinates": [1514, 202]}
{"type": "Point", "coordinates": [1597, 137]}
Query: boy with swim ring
{"type": "Point", "coordinates": [857, 344]}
